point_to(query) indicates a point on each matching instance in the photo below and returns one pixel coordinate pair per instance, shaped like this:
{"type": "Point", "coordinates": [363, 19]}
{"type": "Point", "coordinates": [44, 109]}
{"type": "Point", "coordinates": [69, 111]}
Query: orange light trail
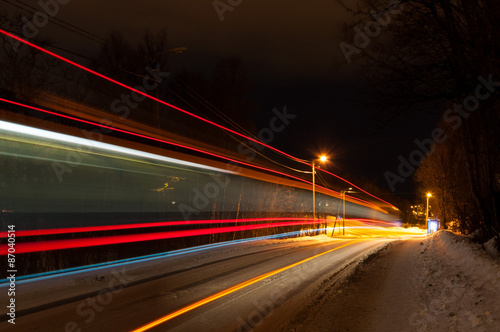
{"type": "Point", "coordinates": [231, 290]}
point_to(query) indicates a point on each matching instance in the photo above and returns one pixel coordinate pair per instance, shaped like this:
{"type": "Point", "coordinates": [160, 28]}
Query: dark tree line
{"type": "Point", "coordinates": [443, 56]}
{"type": "Point", "coordinates": [222, 95]}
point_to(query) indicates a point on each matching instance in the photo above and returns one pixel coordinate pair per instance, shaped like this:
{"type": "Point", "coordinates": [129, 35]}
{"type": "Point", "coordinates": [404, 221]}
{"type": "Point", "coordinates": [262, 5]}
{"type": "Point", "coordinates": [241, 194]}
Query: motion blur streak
{"type": "Point", "coordinates": [335, 193]}
{"type": "Point", "coordinates": [160, 140]}
{"type": "Point", "coordinates": [30, 131]}
{"type": "Point", "coordinates": [232, 290]}
{"type": "Point", "coordinates": [121, 262]}
{"type": "Point", "coordinates": [39, 232]}
{"type": "Point", "coordinates": [179, 109]}
{"type": "Point", "coordinates": [26, 247]}
{"type": "Point", "coordinates": [368, 228]}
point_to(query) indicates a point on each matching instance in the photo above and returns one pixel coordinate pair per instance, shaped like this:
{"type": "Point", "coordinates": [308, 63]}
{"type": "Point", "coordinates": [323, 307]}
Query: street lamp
{"type": "Point", "coordinates": [322, 159]}
{"type": "Point", "coordinates": [342, 194]}
{"type": "Point", "coordinates": [429, 195]}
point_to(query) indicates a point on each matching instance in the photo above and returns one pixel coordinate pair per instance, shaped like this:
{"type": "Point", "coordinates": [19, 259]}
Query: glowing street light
{"type": "Point", "coordinates": [321, 159]}
{"type": "Point", "coordinates": [429, 195]}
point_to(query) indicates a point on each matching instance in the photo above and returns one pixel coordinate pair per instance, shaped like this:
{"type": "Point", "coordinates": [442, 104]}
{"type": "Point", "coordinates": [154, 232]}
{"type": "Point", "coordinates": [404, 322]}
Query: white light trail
{"type": "Point", "coordinates": [63, 138]}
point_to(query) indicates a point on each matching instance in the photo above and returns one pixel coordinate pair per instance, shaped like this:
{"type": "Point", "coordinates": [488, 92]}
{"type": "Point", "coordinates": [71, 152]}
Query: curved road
{"type": "Point", "coordinates": [231, 288]}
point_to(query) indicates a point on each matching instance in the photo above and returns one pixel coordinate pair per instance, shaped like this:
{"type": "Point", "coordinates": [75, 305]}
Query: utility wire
{"type": "Point", "coordinates": [63, 24]}
{"type": "Point", "coordinates": [241, 142]}
{"type": "Point", "coordinates": [286, 155]}
{"type": "Point", "coordinates": [226, 118]}
{"type": "Point", "coordinates": [209, 106]}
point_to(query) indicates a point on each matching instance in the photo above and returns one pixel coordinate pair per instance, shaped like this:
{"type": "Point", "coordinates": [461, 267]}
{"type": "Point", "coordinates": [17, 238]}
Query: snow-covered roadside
{"type": "Point", "coordinates": [442, 282]}
{"type": "Point", "coordinates": [459, 286]}
{"type": "Point", "coordinates": [491, 250]}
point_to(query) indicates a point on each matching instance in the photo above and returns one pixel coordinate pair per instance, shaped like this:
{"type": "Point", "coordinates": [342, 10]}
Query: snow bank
{"type": "Point", "coordinates": [460, 286]}
{"type": "Point", "coordinates": [468, 256]}
{"type": "Point", "coordinates": [490, 248]}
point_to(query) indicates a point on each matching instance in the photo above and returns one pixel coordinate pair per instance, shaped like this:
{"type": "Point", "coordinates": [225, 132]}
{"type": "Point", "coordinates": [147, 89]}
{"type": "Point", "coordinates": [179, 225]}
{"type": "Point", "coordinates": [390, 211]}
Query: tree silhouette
{"type": "Point", "coordinates": [432, 54]}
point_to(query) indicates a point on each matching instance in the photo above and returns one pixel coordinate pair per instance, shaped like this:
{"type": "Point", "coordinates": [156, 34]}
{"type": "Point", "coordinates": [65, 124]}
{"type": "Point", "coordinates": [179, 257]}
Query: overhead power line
{"type": "Point", "coordinates": [59, 22]}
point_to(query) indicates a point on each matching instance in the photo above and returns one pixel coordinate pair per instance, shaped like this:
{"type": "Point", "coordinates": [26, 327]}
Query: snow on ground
{"type": "Point", "coordinates": [490, 248]}
{"type": "Point", "coordinates": [465, 291]}
{"type": "Point", "coordinates": [441, 282]}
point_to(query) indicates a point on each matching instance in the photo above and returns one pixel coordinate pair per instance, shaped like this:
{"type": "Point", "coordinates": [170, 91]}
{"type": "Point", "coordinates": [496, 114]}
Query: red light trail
{"type": "Point", "coordinates": [54, 231]}
{"type": "Point", "coordinates": [27, 247]}
{"type": "Point", "coordinates": [175, 144]}
{"type": "Point", "coordinates": [181, 110]}
{"type": "Point", "coordinates": [145, 94]}
{"type": "Point", "coordinates": [155, 139]}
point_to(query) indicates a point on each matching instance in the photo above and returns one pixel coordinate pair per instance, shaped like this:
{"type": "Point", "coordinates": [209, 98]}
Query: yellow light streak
{"type": "Point", "coordinates": [232, 290]}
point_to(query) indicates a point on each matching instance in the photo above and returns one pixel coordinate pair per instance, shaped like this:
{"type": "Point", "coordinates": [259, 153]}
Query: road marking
{"type": "Point", "coordinates": [231, 290]}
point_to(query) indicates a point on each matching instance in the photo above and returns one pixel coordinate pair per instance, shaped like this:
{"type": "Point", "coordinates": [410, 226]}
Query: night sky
{"type": "Point", "coordinates": [291, 52]}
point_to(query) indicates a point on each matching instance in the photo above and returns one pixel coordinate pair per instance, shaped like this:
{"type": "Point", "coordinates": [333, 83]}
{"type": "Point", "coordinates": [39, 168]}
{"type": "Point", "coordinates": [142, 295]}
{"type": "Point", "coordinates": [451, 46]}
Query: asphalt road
{"type": "Point", "coordinates": [126, 305]}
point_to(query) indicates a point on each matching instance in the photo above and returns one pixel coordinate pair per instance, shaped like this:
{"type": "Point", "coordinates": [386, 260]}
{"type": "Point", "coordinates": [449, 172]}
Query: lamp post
{"type": "Point", "coordinates": [342, 195]}
{"type": "Point", "coordinates": [429, 195]}
{"type": "Point", "coordinates": [343, 213]}
{"type": "Point", "coordinates": [321, 159]}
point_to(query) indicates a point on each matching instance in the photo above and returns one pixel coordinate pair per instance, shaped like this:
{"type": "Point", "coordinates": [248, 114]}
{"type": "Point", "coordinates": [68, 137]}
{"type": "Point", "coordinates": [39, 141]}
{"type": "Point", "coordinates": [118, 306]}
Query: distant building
{"type": "Point", "coordinates": [417, 214]}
